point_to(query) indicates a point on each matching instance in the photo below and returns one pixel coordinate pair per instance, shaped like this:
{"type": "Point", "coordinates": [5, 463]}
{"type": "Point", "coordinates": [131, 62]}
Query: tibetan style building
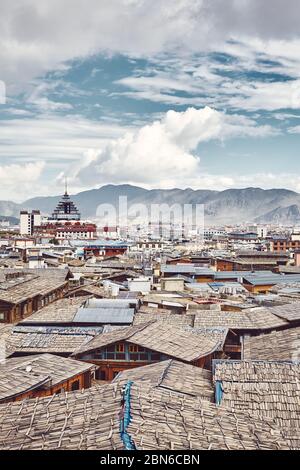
{"type": "Point", "coordinates": [65, 223]}
{"type": "Point", "coordinates": [65, 210]}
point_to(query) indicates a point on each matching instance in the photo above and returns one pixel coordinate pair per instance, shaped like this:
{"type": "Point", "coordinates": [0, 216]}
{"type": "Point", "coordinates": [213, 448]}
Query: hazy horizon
{"type": "Point", "coordinates": [72, 193]}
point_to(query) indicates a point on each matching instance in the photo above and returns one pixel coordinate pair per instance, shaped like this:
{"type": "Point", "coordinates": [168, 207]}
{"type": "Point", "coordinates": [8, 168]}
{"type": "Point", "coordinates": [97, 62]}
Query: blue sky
{"type": "Point", "coordinates": [119, 93]}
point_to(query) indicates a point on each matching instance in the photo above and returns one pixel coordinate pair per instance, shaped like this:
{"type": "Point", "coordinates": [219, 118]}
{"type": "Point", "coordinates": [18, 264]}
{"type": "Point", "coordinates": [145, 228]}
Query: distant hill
{"type": "Point", "coordinates": [11, 220]}
{"type": "Point", "coordinates": [9, 209]}
{"type": "Point", "coordinates": [230, 206]}
{"type": "Point", "coordinates": [282, 215]}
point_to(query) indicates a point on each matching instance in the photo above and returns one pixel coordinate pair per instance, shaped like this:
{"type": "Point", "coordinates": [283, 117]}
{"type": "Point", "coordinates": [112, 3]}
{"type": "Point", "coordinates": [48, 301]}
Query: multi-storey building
{"type": "Point", "coordinates": [29, 221]}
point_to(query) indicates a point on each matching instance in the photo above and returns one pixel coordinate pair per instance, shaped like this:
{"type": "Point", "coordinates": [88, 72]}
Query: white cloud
{"type": "Point", "coordinates": [268, 96]}
{"type": "Point", "coordinates": [163, 153]}
{"type": "Point", "coordinates": [258, 77]}
{"type": "Point", "coordinates": [2, 92]}
{"type": "Point", "coordinates": [57, 142]}
{"type": "Point", "coordinates": [53, 138]}
{"type": "Point", "coordinates": [39, 101]}
{"type": "Point", "coordinates": [17, 179]}
{"type": "Point", "coordinates": [38, 35]}
{"type": "Point", "coordinates": [294, 130]}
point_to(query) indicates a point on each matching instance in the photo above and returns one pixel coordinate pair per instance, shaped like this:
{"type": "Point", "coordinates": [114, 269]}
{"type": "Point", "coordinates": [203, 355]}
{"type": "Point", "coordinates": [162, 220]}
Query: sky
{"type": "Point", "coordinates": [189, 93]}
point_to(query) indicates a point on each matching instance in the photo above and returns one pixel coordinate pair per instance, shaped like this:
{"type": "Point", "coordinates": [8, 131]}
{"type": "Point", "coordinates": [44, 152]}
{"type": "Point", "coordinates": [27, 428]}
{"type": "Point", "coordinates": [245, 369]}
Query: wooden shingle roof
{"type": "Point", "coordinates": [60, 311]}
{"type": "Point", "coordinates": [5, 331]}
{"type": "Point", "coordinates": [289, 312]}
{"type": "Point", "coordinates": [44, 341]}
{"type": "Point", "coordinates": [164, 420]}
{"type": "Point", "coordinates": [249, 319]}
{"type": "Point", "coordinates": [264, 389]}
{"type": "Point", "coordinates": [111, 337]}
{"type": "Point", "coordinates": [276, 346]}
{"type": "Point", "coordinates": [17, 382]}
{"type": "Point", "coordinates": [167, 339]}
{"type": "Point", "coordinates": [161, 419]}
{"type": "Point", "coordinates": [172, 375]}
{"type": "Point", "coordinates": [89, 289]}
{"type": "Point", "coordinates": [86, 420]}
{"type": "Point", "coordinates": [32, 284]}
{"type": "Point", "coordinates": [166, 316]}
{"type": "Point", "coordinates": [263, 319]}
{"type": "Point", "coordinates": [22, 374]}
{"type": "Point", "coordinates": [215, 318]}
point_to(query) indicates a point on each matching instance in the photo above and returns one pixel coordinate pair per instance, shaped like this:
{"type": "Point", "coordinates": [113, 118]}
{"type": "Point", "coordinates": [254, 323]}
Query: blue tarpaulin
{"type": "Point", "coordinates": [219, 392]}
{"type": "Point", "coordinates": [126, 419]}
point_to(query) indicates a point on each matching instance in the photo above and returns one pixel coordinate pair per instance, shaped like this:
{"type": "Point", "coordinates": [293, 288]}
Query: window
{"type": "Point", "coordinates": [137, 353]}
{"type": "Point", "coordinates": [75, 385]}
{"type": "Point", "coordinates": [120, 356]}
{"type": "Point", "coordinates": [100, 375]}
{"type": "Point", "coordinates": [110, 355]}
{"type": "Point", "coordinates": [2, 316]}
{"type": "Point", "coordinates": [120, 351]}
{"type": "Point", "coordinates": [143, 356]}
{"type": "Point", "coordinates": [155, 356]}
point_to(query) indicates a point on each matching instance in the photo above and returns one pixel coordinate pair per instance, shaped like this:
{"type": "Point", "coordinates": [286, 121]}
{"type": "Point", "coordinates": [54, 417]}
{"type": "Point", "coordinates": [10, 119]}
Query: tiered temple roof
{"type": "Point", "coordinates": [65, 209]}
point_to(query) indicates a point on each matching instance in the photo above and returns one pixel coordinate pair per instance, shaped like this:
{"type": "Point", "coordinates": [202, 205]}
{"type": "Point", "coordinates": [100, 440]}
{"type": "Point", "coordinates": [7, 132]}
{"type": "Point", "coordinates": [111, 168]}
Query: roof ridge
{"type": "Point", "coordinates": [164, 373]}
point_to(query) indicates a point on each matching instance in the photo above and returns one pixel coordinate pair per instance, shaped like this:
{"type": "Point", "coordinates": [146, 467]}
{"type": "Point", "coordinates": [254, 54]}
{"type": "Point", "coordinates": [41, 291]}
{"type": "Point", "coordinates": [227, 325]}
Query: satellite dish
{"type": "Point", "coordinates": [28, 369]}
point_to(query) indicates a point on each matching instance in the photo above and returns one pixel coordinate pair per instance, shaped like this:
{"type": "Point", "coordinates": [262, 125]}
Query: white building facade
{"type": "Point", "coordinates": [28, 221]}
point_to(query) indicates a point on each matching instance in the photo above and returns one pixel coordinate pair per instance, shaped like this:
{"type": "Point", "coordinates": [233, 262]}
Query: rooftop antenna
{"type": "Point", "coordinates": [66, 186]}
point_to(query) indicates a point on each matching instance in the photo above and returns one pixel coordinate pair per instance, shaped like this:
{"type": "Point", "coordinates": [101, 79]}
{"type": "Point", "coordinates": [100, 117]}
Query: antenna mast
{"type": "Point", "coordinates": [66, 186]}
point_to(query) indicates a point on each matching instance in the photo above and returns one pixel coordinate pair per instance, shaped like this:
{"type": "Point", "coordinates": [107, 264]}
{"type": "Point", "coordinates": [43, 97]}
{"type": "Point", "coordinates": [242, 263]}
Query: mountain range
{"type": "Point", "coordinates": [231, 206]}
